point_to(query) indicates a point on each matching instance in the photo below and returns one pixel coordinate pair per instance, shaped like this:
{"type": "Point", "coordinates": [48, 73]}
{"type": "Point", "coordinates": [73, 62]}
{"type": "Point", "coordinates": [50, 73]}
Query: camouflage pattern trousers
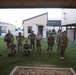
{"type": "Point", "coordinates": [62, 51]}
{"type": "Point", "coordinates": [38, 46]}
{"type": "Point", "coordinates": [32, 44]}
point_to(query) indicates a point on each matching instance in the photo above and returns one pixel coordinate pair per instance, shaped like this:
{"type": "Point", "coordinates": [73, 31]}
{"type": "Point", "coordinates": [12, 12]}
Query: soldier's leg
{"type": "Point", "coordinates": [51, 48]}
{"type": "Point", "coordinates": [14, 51]}
{"type": "Point", "coordinates": [18, 47]}
{"type": "Point", "coordinates": [37, 47]}
{"type": "Point", "coordinates": [58, 49]}
{"type": "Point", "coordinates": [9, 52]}
{"type": "Point", "coordinates": [48, 48]}
{"type": "Point", "coordinates": [61, 52]}
{"type": "Point", "coordinates": [7, 45]}
{"type": "Point", "coordinates": [33, 45]}
{"type": "Point", "coordinates": [40, 50]}
{"type": "Point", "coordinates": [21, 46]}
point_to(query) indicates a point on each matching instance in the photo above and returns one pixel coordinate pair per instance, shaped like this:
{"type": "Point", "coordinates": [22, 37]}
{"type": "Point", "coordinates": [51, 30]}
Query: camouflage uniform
{"type": "Point", "coordinates": [38, 42]}
{"type": "Point", "coordinates": [26, 47]}
{"type": "Point", "coordinates": [19, 39]}
{"type": "Point", "coordinates": [57, 40]}
{"type": "Point", "coordinates": [8, 38]}
{"type": "Point", "coordinates": [32, 38]}
{"type": "Point", "coordinates": [50, 42]}
{"type": "Point", "coordinates": [12, 49]}
{"type": "Point", "coordinates": [63, 42]}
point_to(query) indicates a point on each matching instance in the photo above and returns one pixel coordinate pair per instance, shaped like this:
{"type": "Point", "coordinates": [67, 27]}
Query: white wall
{"type": "Point", "coordinates": [70, 34]}
{"type": "Point", "coordinates": [40, 20]}
{"type": "Point", "coordinates": [70, 16]}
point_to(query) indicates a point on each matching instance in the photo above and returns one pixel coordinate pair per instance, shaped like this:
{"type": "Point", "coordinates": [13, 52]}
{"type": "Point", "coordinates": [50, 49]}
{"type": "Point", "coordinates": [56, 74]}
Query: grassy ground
{"type": "Point", "coordinates": [8, 63]}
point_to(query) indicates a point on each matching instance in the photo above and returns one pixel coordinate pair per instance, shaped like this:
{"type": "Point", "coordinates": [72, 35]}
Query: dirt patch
{"type": "Point", "coordinates": [23, 71]}
{"type": "Point", "coordinates": [42, 70]}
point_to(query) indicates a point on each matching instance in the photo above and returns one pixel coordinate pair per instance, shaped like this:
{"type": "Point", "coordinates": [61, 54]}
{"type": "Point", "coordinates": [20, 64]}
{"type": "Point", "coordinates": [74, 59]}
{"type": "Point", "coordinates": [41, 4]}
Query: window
{"type": "Point", "coordinates": [29, 29]}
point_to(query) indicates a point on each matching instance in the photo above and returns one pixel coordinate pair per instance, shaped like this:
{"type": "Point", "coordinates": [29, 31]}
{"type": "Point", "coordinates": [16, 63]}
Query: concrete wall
{"type": "Point", "coordinates": [68, 16]}
{"type": "Point", "coordinates": [70, 34]}
{"type": "Point", "coordinates": [35, 22]}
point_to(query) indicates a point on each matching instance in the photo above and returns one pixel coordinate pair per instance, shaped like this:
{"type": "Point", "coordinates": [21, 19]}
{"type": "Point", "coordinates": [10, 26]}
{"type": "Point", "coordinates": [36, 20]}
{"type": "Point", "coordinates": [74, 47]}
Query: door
{"type": "Point", "coordinates": [40, 29]}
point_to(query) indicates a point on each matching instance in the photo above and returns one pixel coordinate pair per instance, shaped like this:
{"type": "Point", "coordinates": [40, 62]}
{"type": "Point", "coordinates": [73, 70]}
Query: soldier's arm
{"type": "Point", "coordinates": [48, 40]}
{"type": "Point", "coordinates": [12, 37]}
{"type": "Point", "coordinates": [66, 41]}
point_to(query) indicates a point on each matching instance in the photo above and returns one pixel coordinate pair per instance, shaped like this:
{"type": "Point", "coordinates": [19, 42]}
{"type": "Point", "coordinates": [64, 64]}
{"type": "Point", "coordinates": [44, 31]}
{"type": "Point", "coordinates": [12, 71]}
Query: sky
{"type": "Point", "coordinates": [17, 15]}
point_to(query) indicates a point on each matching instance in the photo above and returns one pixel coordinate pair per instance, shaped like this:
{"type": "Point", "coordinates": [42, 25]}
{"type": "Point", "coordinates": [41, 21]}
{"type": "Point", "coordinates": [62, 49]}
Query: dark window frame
{"type": "Point", "coordinates": [29, 29]}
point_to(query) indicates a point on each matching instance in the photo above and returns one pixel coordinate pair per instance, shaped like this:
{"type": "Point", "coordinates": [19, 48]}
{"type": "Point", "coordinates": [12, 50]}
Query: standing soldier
{"type": "Point", "coordinates": [8, 38]}
{"type": "Point", "coordinates": [50, 42]}
{"type": "Point", "coordinates": [63, 42]}
{"type": "Point", "coordinates": [19, 39]}
{"type": "Point", "coordinates": [32, 38]}
{"type": "Point", "coordinates": [38, 42]}
{"type": "Point", "coordinates": [57, 40]}
{"type": "Point", "coordinates": [12, 48]}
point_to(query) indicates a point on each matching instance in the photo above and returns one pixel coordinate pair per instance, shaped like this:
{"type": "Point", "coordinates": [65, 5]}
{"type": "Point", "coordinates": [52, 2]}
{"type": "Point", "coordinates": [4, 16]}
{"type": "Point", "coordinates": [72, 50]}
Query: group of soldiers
{"type": "Point", "coordinates": [26, 48]}
{"type": "Point", "coordinates": [61, 40]}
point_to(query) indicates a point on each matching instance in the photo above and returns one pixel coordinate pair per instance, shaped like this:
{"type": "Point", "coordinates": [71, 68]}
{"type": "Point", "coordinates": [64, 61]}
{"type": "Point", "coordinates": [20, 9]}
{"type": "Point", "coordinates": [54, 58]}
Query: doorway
{"type": "Point", "coordinates": [40, 29]}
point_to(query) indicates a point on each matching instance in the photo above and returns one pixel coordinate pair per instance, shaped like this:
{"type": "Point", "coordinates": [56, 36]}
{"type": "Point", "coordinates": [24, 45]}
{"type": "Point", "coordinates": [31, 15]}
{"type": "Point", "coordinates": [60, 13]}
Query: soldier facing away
{"type": "Point", "coordinates": [8, 38]}
{"type": "Point", "coordinates": [32, 38]}
{"type": "Point", "coordinates": [38, 42]}
{"type": "Point", "coordinates": [19, 39]}
{"type": "Point", "coordinates": [50, 41]}
{"type": "Point", "coordinates": [63, 42]}
{"type": "Point", "coordinates": [12, 49]}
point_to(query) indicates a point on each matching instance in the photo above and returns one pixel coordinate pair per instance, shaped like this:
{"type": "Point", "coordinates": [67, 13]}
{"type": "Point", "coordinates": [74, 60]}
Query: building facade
{"type": "Point", "coordinates": [69, 21]}
{"type": "Point", "coordinates": [54, 24]}
{"type": "Point", "coordinates": [4, 27]}
{"type": "Point", "coordinates": [36, 24]}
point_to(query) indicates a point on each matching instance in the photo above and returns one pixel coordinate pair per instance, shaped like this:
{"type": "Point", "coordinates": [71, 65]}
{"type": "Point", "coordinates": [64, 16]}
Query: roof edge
{"type": "Point", "coordinates": [35, 16]}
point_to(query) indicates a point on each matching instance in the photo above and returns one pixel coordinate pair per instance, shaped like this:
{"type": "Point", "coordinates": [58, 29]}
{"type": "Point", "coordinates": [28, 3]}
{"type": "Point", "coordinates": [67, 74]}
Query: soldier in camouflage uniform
{"type": "Point", "coordinates": [8, 38]}
{"type": "Point", "coordinates": [63, 42]}
{"type": "Point", "coordinates": [32, 38]}
{"type": "Point", "coordinates": [57, 40]}
{"type": "Point", "coordinates": [50, 42]}
{"type": "Point", "coordinates": [12, 49]}
{"type": "Point", "coordinates": [26, 48]}
{"type": "Point", "coordinates": [19, 39]}
{"type": "Point", "coordinates": [38, 42]}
